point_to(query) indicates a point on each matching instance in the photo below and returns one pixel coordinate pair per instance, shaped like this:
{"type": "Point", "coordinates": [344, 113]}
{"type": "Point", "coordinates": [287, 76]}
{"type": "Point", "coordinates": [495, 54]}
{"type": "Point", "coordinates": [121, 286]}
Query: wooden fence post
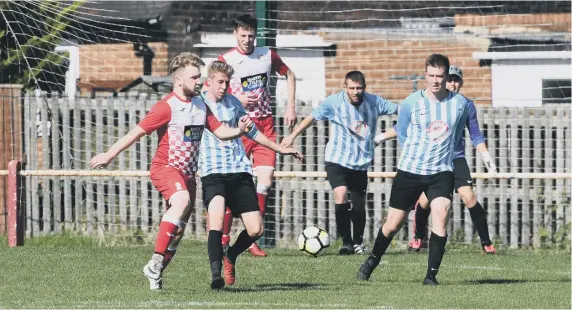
{"type": "Point", "coordinates": [11, 131]}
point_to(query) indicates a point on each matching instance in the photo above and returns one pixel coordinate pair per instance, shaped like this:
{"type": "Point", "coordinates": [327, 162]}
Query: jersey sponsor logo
{"type": "Point", "coordinates": [254, 82]}
{"type": "Point", "coordinates": [438, 131]}
{"type": "Point", "coordinates": [360, 128]}
{"type": "Point", "coordinates": [193, 133]}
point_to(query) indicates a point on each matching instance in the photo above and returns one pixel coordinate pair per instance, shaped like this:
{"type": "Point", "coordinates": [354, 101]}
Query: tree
{"type": "Point", "coordinates": [29, 34]}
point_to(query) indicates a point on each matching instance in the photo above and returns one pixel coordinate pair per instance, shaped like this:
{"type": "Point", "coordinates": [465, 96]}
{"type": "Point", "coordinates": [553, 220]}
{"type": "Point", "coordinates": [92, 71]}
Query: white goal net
{"type": "Point", "coordinates": [91, 70]}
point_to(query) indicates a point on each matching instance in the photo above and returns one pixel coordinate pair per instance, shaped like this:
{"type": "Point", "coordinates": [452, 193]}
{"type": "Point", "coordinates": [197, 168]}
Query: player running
{"type": "Point", "coordinates": [226, 176]}
{"type": "Point", "coordinates": [462, 174]}
{"type": "Point", "coordinates": [353, 114]}
{"type": "Point", "coordinates": [252, 67]}
{"type": "Point", "coordinates": [429, 125]}
{"type": "Point", "coordinates": [179, 122]}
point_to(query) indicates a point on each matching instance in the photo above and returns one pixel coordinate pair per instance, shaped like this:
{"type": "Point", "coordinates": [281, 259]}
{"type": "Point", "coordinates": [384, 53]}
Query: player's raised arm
{"type": "Point", "coordinates": [226, 133]}
{"type": "Point", "coordinates": [102, 160]}
{"type": "Point", "coordinates": [159, 116]}
{"type": "Point", "coordinates": [324, 111]}
{"type": "Point", "coordinates": [305, 124]}
{"type": "Point", "coordinates": [264, 141]}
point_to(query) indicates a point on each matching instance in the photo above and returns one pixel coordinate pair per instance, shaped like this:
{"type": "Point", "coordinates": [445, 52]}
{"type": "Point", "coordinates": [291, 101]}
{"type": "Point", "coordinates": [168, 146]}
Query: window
{"type": "Point", "coordinates": [556, 91]}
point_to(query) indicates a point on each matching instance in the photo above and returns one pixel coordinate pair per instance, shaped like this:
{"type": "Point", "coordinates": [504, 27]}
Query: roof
{"type": "Point", "coordinates": [126, 10]}
{"type": "Point", "coordinates": [152, 81]}
{"type": "Point", "coordinates": [522, 55]}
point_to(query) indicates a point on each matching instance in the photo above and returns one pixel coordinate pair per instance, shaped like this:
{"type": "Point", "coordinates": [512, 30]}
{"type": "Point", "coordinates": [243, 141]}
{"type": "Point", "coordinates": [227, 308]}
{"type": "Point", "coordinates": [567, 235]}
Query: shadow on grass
{"type": "Point", "coordinates": [277, 287]}
{"type": "Point", "coordinates": [512, 281]}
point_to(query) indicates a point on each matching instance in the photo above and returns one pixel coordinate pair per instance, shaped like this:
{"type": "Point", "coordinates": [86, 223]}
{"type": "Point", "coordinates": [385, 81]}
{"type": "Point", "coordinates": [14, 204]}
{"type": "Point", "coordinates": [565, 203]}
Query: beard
{"type": "Point", "coordinates": [188, 92]}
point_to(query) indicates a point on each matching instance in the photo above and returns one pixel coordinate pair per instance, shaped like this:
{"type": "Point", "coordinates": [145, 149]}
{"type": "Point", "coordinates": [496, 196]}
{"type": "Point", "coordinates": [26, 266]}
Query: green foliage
{"type": "Point", "coordinates": [30, 33]}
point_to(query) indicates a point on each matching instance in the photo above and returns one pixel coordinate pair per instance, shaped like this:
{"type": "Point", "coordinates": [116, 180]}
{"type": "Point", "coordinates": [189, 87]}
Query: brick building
{"type": "Point", "coordinates": [388, 41]}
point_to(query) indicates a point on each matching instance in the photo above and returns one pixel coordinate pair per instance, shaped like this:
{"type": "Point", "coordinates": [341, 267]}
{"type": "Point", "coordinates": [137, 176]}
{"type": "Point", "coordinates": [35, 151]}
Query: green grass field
{"type": "Point", "coordinates": [58, 274]}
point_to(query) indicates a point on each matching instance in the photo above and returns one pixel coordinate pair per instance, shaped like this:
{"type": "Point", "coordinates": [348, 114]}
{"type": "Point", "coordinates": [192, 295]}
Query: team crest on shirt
{"type": "Point", "coordinates": [438, 131]}
{"type": "Point", "coordinates": [193, 133]}
{"type": "Point", "coordinates": [254, 82]}
{"type": "Point", "coordinates": [360, 128]}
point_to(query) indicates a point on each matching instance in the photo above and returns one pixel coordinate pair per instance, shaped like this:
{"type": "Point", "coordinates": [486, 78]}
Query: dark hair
{"type": "Point", "coordinates": [246, 22]}
{"type": "Point", "coordinates": [355, 76]}
{"type": "Point", "coordinates": [438, 61]}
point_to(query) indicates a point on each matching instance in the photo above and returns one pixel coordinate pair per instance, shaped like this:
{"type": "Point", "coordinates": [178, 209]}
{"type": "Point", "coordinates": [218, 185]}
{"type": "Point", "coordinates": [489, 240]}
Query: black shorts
{"type": "Point", "coordinates": [407, 187]}
{"type": "Point", "coordinates": [338, 175]}
{"type": "Point", "coordinates": [237, 189]}
{"type": "Point", "coordinates": [462, 173]}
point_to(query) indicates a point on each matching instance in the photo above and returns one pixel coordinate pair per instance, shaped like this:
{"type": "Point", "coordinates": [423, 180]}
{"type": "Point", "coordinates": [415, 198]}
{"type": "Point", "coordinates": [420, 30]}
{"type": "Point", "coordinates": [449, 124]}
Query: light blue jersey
{"type": "Point", "coordinates": [474, 132]}
{"type": "Point", "coordinates": [352, 128]}
{"type": "Point", "coordinates": [428, 132]}
{"type": "Point", "coordinates": [229, 156]}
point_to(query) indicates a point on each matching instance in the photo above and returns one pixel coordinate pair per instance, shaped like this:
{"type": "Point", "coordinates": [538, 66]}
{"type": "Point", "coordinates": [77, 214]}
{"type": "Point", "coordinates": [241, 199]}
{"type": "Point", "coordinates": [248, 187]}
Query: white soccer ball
{"type": "Point", "coordinates": [314, 241]}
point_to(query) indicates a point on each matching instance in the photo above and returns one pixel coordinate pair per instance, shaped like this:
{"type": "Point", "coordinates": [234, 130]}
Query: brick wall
{"type": "Point", "coordinates": [115, 65]}
{"type": "Point", "coordinates": [380, 57]}
{"type": "Point", "coordinates": [524, 22]}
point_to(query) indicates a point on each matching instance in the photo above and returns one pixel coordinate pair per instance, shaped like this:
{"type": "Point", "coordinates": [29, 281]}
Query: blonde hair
{"type": "Point", "coordinates": [185, 59]}
{"type": "Point", "coordinates": [218, 66]}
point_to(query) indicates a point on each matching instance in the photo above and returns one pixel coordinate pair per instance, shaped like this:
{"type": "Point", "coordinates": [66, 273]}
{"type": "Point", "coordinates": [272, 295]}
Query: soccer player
{"type": "Point", "coordinates": [179, 122]}
{"type": "Point", "coordinates": [353, 114]}
{"type": "Point", "coordinates": [462, 175]}
{"type": "Point", "coordinates": [226, 176]}
{"type": "Point", "coordinates": [429, 125]}
{"type": "Point", "coordinates": [463, 180]}
{"type": "Point", "coordinates": [252, 67]}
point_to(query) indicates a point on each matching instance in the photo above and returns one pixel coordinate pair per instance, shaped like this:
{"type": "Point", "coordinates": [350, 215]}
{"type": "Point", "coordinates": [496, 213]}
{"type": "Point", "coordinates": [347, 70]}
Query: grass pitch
{"type": "Point", "coordinates": [61, 274]}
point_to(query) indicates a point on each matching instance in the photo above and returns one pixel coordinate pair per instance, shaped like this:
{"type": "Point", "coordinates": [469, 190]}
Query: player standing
{"type": "Point", "coordinates": [252, 67]}
{"type": "Point", "coordinates": [429, 125]}
{"type": "Point", "coordinates": [179, 122]}
{"type": "Point", "coordinates": [226, 176]}
{"type": "Point", "coordinates": [353, 114]}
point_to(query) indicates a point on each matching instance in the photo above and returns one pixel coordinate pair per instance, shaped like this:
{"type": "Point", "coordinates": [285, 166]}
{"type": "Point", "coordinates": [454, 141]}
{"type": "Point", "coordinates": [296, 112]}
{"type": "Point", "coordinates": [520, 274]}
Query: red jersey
{"type": "Point", "coordinates": [251, 74]}
{"type": "Point", "coordinates": [179, 124]}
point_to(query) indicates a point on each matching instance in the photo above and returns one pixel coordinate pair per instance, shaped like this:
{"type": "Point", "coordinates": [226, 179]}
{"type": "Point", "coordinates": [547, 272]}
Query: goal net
{"type": "Point", "coordinates": [90, 72]}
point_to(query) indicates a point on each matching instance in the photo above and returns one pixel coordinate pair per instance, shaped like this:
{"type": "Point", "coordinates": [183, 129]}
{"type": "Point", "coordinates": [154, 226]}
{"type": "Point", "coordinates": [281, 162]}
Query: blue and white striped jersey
{"type": "Point", "coordinates": [352, 128]}
{"type": "Point", "coordinates": [474, 132]}
{"type": "Point", "coordinates": [229, 156]}
{"type": "Point", "coordinates": [429, 131]}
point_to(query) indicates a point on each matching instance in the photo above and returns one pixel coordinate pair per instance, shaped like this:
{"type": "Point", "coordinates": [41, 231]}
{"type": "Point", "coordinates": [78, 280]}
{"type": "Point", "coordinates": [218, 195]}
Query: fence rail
{"type": "Point", "coordinates": [62, 135]}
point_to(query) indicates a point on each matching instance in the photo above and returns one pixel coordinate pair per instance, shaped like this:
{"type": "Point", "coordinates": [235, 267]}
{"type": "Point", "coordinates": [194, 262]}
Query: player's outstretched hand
{"type": "Point", "coordinates": [245, 124]}
{"type": "Point", "coordinates": [489, 162]}
{"type": "Point", "coordinates": [247, 99]}
{"type": "Point", "coordinates": [287, 141]}
{"type": "Point", "coordinates": [100, 161]}
{"type": "Point", "coordinates": [291, 151]}
{"type": "Point", "coordinates": [290, 118]}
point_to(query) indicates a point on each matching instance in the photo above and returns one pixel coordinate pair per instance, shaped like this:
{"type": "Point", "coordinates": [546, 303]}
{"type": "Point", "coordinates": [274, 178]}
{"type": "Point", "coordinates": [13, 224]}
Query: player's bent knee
{"type": "Point", "coordinates": [256, 233]}
{"type": "Point", "coordinates": [469, 199]}
{"type": "Point", "coordinates": [340, 194]}
{"type": "Point", "coordinates": [180, 202]}
{"type": "Point", "coordinates": [255, 230]}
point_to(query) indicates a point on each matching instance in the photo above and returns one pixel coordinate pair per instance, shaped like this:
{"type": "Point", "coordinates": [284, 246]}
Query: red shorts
{"type": "Point", "coordinates": [261, 155]}
{"type": "Point", "coordinates": [168, 180]}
